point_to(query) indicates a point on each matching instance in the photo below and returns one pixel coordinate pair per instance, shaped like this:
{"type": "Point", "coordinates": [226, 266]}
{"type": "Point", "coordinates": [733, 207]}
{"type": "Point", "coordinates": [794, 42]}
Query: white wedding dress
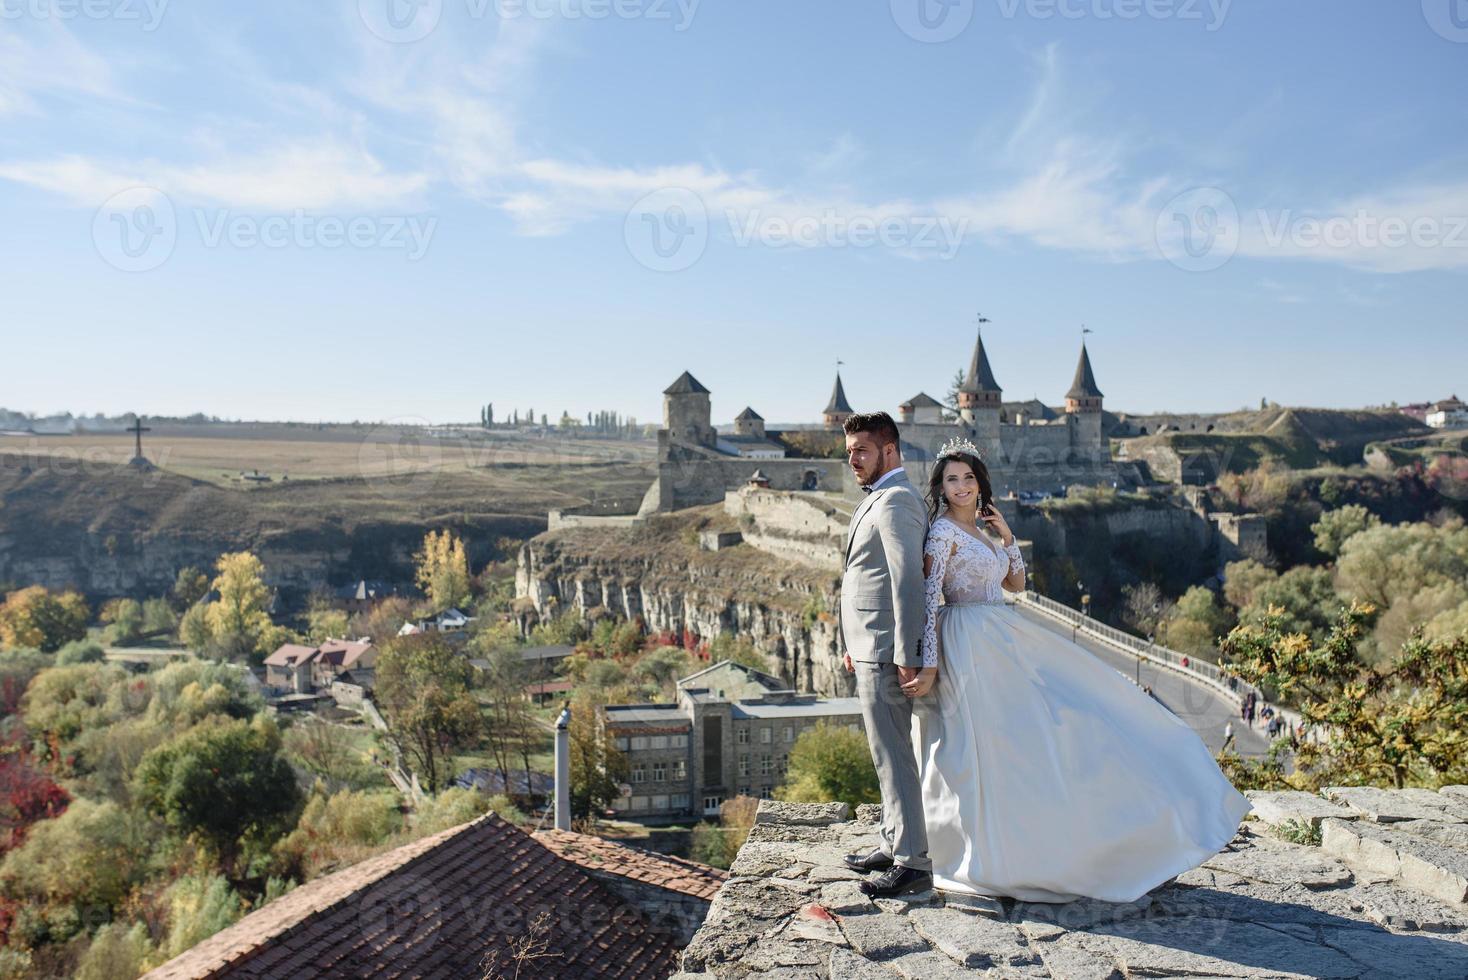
{"type": "Point", "coordinates": [1046, 774]}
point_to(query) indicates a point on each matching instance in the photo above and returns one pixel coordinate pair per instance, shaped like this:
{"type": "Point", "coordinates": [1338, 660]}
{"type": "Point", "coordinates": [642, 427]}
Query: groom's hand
{"type": "Point", "coordinates": [921, 681]}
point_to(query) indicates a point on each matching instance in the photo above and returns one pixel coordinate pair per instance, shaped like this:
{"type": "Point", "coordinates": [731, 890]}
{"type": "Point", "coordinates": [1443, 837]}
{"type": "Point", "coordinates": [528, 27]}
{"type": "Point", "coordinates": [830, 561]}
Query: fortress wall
{"type": "Point", "coordinates": [695, 482]}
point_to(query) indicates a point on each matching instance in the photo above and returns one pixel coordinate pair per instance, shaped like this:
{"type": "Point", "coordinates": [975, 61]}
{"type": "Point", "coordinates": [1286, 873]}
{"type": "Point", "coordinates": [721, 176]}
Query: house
{"type": "Point", "coordinates": [300, 669]}
{"type": "Point", "coordinates": [289, 668]}
{"type": "Point", "coordinates": [454, 904]}
{"type": "Point", "coordinates": [344, 661]}
{"type": "Point", "coordinates": [448, 621]}
{"type": "Point", "coordinates": [1450, 413]}
{"type": "Point", "coordinates": [362, 595]}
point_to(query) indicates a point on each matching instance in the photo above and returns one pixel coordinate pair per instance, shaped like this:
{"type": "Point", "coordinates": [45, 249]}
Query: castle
{"type": "Point", "coordinates": [1027, 445]}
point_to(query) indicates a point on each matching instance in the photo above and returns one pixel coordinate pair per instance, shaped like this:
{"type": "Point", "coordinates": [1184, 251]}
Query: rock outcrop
{"type": "Point", "coordinates": [1379, 898]}
{"type": "Point", "coordinates": [656, 572]}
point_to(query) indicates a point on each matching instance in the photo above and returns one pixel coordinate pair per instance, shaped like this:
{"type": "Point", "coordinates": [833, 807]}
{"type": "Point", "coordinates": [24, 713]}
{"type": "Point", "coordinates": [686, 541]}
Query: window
{"type": "Point", "coordinates": [767, 793]}
{"type": "Point", "coordinates": [764, 734]}
{"type": "Point", "coordinates": [679, 801]}
{"type": "Point", "coordinates": [744, 791]}
{"type": "Point", "coordinates": [711, 804]}
{"type": "Point", "coordinates": [639, 742]}
{"type": "Point", "coordinates": [784, 766]}
{"type": "Point", "coordinates": [657, 742]}
{"type": "Point", "coordinates": [742, 736]}
{"type": "Point", "coordinates": [678, 741]}
{"type": "Point", "coordinates": [680, 769]}
{"type": "Point", "coordinates": [659, 772]}
{"type": "Point", "coordinates": [639, 803]}
{"type": "Point", "coordinates": [744, 765]}
{"type": "Point", "coordinates": [637, 774]}
{"type": "Point", "coordinates": [660, 802]}
{"type": "Point", "coordinates": [622, 742]}
{"type": "Point", "coordinates": [765, 765]}
{"type": "Point", "coordinates": [789, 733]}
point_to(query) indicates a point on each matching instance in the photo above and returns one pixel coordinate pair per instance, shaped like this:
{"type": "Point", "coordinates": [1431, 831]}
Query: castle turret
{"type": "Point", "coordinates": [980, 400]}
{"type": "Point", "coordinates": [686, 412]}
{"type": "Point", "coordinates": [749, 423]}
{"type": "Point", "coordinates": [838, 410]}
{"type": "Point", "coordinates": [1083, 409]}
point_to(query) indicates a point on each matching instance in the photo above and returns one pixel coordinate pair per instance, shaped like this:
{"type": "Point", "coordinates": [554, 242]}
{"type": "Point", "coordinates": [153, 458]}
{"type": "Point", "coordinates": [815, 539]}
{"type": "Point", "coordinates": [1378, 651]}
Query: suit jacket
{"type": "Point", "coordinates": [882, 609]}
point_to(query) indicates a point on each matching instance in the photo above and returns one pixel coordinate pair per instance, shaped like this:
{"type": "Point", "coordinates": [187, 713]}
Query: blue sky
{"type": "Point", "coordinates": [351, 210]}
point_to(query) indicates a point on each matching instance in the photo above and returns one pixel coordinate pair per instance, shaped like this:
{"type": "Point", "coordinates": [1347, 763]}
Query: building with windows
{"type": "Point", "coordinates": [729, 734]}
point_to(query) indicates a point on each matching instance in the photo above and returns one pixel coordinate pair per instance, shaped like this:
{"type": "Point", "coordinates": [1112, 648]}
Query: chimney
{"type": "Point", "coordinates": [563, 769]}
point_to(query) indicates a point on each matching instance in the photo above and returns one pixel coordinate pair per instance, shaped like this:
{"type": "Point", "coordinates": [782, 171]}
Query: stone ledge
{"type": "Point", "coordinates": [1261, 908]}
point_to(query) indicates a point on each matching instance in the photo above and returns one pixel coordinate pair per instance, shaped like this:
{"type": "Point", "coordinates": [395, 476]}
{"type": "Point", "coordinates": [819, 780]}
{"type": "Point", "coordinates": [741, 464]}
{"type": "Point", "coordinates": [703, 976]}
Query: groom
{"type": "Point", "coordinates": [881, 627]}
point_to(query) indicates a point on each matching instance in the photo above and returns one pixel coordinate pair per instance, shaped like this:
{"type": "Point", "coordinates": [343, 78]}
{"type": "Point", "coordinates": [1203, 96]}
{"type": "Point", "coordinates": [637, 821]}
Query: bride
{"type": "Point", "coordinates": [1047, 776]}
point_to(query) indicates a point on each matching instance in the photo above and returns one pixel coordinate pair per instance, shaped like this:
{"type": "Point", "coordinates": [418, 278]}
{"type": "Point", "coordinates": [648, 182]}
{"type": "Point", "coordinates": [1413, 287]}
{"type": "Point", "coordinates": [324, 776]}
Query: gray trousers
{"type": "Point", "coordinates": [887, 714]}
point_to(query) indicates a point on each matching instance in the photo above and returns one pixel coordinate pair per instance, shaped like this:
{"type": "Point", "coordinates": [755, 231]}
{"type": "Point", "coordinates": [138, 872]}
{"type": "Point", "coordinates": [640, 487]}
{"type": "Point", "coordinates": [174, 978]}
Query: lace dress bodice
{"type": "Point", "coordinates": [963, 569]}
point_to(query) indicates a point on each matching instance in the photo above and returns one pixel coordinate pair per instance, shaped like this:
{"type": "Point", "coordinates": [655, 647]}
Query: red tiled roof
{"type": "Point", "coordinates": [599, 854]}
{"type": "Point", "coordinates": [437, 908]}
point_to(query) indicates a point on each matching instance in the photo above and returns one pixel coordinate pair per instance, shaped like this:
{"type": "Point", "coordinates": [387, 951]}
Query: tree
{"type": "Point", "coordinates": [221, 783]}
{"type": "Point", "coordinates": [1335, 526]}
{"type": "Point", "coordinates": [189, 587]}
{"type": "Point", "coordinates": [1401, 721]}
{"type": "Point", "coordinates": [238, 621]}
{"type": "Point", "coordinates": [830, 763]}
{"type": "Point", "coordinates": [124, 618]}
{"type": "Point", "coordinates": [423, 685]}
{"type": "Point", "coordinates": [90, 855]}
{"type": "Point", "coordinates": [1305, 596]}
{"type": "Point", "coordinates": [1194, 624]}
{"type": "Point", "coordinates": [34, 617]}
{"type": "Point", "coordinates": [443, 570]}
{"type": "Point", "coordinates": [598, 767]}
{"type": "Point", "coordinates": [323, 622]}
{"type": "Point", "coordinates": [513, 731]}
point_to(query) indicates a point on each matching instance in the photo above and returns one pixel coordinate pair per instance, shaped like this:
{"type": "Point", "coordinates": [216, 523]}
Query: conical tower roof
{"type": "Point", "coordinates": [980, 376]}
{"type": "Point", "coordinates": [1084, 385]}
{"type": "Point", "coordinates": [838, 401]}
{"type": "Point", "coordinates": [686, 384]}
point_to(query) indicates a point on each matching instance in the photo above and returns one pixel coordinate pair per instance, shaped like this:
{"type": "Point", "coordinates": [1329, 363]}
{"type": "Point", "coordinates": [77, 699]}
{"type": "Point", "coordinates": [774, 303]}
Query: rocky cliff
{"type": "Point", "coordinates": [656, 571]}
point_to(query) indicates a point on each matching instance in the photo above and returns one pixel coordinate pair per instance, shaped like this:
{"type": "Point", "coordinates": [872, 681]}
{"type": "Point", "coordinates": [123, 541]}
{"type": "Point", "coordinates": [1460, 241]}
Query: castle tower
{"type": "Point", "coordinates": [1083, 409]}
{"type": "Point", "coordinates": [686, 412]}
{"type": "Point", "coordinates": [979, 401]}
{"type": "Point", "coordinates": [749, 423]}
{"type": "Point", "coordinates": [838, 410]}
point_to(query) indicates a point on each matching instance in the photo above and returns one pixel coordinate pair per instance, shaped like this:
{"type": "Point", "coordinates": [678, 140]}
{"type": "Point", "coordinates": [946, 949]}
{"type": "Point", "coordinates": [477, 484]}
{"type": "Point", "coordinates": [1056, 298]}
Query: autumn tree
{"type": "Point", "coordinates": [424, 688]}
{"type": "Point", "coordinates": [443, 570]}
{"type": "Point", "coordinates": [1395, 722]}
{"type": "Point", "coordinates": [34, 617]}
{"type": "Point", "coordinates": [598, 767]}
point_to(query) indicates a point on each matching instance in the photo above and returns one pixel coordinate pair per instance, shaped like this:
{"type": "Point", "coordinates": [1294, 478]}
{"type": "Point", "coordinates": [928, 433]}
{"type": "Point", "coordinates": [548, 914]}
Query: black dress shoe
{"type": "Point", "coordinates": [875, 861]}
{"type": "Point", "coordinates": [896, 881]}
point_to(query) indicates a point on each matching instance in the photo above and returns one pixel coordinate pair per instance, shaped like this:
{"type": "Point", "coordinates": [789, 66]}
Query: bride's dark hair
{"type": "Point", "coordinates": [935, 482]}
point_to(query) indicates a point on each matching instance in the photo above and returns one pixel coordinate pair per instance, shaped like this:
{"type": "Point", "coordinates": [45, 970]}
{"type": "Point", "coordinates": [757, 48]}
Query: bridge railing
{"type": "Point", "coordinates": [1201, 671]}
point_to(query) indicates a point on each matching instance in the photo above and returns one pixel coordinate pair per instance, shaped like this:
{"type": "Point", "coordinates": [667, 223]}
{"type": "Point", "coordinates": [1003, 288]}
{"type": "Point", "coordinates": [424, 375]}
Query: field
{"type": "Point", "coordinates": [254, 455]}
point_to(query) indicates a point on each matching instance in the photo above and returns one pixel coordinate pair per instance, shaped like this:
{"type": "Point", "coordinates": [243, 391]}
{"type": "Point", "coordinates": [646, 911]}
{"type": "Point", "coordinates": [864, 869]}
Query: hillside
{"type": "Point", "coordinates": [114, 530]}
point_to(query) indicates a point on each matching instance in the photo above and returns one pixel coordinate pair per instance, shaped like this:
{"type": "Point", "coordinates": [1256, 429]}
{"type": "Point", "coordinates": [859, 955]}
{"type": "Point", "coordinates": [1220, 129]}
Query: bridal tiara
{"type": "Point", "coordinates": [955, 446]}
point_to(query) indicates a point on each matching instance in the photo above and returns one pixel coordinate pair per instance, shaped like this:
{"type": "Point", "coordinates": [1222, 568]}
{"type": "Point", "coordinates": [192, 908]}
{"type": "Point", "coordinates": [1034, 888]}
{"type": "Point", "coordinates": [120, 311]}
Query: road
{"type": "Point", "coordinates": [1205, 710]}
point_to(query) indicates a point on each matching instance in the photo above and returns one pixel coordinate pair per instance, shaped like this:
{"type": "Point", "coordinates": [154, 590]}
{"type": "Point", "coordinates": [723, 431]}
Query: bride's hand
{"type": "Point", "coordinates": [922, 683]}
{"type": "Point", "coordinates": [998, 524]}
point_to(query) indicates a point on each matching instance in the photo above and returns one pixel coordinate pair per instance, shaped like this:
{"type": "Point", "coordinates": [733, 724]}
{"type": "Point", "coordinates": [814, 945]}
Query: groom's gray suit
{"type": "Point", "coordinates": [882, 627]}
